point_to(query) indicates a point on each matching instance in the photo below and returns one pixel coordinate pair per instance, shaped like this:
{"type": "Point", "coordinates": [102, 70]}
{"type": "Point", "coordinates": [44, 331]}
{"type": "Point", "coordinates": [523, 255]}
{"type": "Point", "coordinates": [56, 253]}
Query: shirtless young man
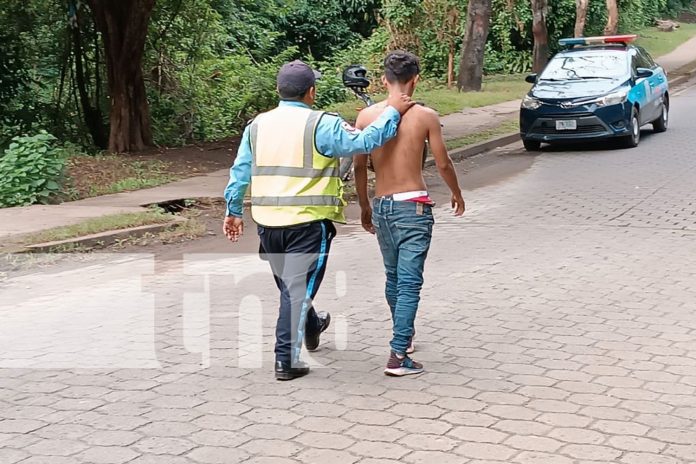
{"type": "Point", "coordinates": [402, 217]}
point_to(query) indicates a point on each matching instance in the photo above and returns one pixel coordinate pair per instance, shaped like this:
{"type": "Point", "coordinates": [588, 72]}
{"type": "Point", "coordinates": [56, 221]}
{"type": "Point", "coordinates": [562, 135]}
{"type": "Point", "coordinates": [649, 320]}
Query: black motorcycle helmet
{"type": "Point", "coordinates": [355, 76]}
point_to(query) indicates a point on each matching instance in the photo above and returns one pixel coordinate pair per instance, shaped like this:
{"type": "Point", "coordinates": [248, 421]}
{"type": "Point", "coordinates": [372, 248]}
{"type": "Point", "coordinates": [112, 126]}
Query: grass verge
{"type": "Point", "coordinates": [496, 89]}
{"type": "Point", "coordinates": [508, 126]}
{"type": "Point", "coordinates": [92, 176]}
{"type": "Point", "coordinates": [97, 225]}
{"type": "Point", "coordinates": [659, 43]}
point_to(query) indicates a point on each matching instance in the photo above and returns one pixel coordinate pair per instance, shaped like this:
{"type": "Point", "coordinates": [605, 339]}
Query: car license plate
{"type": "Point", "coordinates": [570, 124]}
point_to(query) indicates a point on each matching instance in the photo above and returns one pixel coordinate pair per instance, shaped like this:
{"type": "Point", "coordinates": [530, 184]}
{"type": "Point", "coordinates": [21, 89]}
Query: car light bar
{"type": "Point", "coordinates": [607, 39]}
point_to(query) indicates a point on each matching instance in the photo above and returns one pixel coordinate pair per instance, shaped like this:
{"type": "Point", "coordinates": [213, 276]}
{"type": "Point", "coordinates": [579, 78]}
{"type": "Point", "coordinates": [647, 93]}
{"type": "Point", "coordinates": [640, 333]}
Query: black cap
{"type": "Point", "coordinates": [295, 78]}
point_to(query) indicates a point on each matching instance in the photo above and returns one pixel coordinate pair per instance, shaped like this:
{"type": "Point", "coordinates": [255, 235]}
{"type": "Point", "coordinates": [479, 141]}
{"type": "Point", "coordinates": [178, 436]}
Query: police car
{"type": "Point", "coordinates": [597, 88]}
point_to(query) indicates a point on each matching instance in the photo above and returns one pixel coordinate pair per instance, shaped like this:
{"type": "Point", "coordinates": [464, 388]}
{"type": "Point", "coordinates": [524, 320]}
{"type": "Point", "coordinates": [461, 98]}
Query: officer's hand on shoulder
{"type": "Point", "coordinates": [402, 103]}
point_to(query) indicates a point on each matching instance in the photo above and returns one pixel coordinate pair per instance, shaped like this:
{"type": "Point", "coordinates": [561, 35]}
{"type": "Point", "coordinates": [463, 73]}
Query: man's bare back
{"type": "Point", "coordinates": [398, 164]}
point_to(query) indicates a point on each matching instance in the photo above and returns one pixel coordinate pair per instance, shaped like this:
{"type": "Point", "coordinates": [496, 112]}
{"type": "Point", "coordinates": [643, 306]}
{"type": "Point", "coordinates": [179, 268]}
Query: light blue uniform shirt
{"type": "Point", "coordinates": [333, 138]}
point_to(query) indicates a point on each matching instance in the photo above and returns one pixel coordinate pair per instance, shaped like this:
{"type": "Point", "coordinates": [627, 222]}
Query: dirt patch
{"type": "Point", "coordinates": [91, 176]}
{"type": "Point", "coordinates": [688, 15]}
{"type": "Point", "coordinates": [204, 220]}
{"type": "Point", "coordinates": [194, 160]}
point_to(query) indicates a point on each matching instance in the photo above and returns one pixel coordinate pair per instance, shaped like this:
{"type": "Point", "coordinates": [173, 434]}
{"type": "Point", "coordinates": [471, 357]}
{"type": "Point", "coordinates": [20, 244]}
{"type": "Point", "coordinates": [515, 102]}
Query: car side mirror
{"type": "Point", "coordinates": [531, 78]}
{"type": "Point", "coordinates": [644, 73]}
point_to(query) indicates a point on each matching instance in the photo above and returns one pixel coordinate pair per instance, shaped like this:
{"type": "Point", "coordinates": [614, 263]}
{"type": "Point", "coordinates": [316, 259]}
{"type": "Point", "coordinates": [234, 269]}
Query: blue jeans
{"type": "Point", "coordinates": [404, 230]}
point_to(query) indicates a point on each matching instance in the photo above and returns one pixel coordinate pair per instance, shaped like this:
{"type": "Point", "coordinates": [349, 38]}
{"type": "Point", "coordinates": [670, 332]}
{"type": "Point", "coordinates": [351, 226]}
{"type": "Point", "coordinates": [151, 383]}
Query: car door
{"type": "Point", "coordinates": [640, 90]}
{"type": "Point", "coordinates": [659, 79]}
{"type": "Point", "coordinates": [656, 83]}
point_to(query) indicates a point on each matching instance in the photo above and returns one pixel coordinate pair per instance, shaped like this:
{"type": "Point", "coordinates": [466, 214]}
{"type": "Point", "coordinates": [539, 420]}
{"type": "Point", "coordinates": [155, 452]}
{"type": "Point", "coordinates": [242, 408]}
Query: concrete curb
{"type": "Point", "coordinates": [103, 238]}
{"type": "Point", "coordinates": [682, 75]}
{"type": "Point", "coordinates": [459, 154]}
{"type": "Point", "coordinates": [683, 78]}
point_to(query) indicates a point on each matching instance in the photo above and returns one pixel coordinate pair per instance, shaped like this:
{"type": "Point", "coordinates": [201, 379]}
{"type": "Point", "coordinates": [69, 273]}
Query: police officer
{"type": "Point", "coordinates": [290, 156]}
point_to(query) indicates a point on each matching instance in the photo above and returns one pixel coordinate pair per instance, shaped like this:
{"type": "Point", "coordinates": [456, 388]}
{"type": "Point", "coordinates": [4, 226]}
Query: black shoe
{"type": "Point", "coordinates": [283, 371]}
{"type": "Point", "coordinates": [311, 341]}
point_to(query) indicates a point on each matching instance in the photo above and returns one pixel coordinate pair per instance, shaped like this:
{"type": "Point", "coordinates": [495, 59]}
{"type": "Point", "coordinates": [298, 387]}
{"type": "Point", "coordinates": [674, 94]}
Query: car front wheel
{"type": "Point", "coordinates": [632, 141]}
{"type": "Point", "coordinates": [661, 123]}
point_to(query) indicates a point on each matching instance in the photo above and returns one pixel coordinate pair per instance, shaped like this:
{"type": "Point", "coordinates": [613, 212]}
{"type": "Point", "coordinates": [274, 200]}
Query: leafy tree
{"type": "Point", "coordinates": [13, 74]}
{"type": "Point", "coordinates": [82, 34]}
{"type": "Point", "coordinates": [612, 26]}
{"type": "Point", "coordinates": [476, 32]}
{"type": "Point", "coordinates": [123, 26]}
{"type": "Point", "coordinates": [250, 25]}
{"type": "Point", "coordinates": [403, 19]}
{"type": "Point", "coordinates": [540, 9]}
{"type": "Point", "coordinates": [443, 17]}
{"type": "Point", "coordinates": [580, 17]}
{"type": "Point", "coordinates": [317, 27]}
{"type": "Point", "coordinates": [362, 15]}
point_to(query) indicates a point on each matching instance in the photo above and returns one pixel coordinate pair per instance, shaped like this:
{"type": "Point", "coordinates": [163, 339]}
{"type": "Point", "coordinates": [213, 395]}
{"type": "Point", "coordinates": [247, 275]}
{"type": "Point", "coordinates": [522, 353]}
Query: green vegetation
{"type": "Point", "coordinates": [506, 127]}
{"type": "Point", "coordinates": [144, 175]}
{"type": "Point", "coordinates": [496, 89]}
{"type": "Point", "coordinates": [89, 176]}
{"type": "Point", "coordinates": [210, 65]}
{"type": "Point", "coordinates": [660, 43]}
{"type": "Point", "coordinates": [129, 184]}
{"type": "Point", "coordinates": [97, 225]}
{"type": "Point", "coordinates": [31, 170]}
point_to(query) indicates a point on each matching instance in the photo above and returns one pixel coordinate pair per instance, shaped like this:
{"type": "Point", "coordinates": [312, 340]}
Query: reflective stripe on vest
{"type": "Point", "coordinates": [307, 200]}
{"type": "Point", "coordinates": [291, 182]}
{"type": "Point", "coordinates": [331, 171]}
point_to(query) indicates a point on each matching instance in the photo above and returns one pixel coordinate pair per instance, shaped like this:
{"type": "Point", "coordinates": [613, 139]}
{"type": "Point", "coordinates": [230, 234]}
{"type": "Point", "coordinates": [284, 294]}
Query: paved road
{"type": "Point", "coordinates": [558, 326]}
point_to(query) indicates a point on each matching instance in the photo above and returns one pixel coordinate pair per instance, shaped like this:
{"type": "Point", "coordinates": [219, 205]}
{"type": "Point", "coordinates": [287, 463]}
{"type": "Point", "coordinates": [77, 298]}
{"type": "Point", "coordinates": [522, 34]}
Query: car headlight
{"type": "Point", "coordinates": [530, 103]}
{"type": "Point", "coordinates": [614, 98]}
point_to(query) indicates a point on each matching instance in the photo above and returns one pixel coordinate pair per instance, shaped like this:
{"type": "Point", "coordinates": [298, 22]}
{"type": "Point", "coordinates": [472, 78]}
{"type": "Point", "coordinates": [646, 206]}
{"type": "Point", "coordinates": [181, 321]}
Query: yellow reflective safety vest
{"type": "Point", "coordinates": [291, 182]}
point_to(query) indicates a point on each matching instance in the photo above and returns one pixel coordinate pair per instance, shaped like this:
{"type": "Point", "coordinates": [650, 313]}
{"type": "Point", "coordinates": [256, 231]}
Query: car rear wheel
{"type": "Point", "coordinates": [661, 123]}
{"type": "Point", "coordinates": [531, 145]}
{"type": "Point", "coordinates": [632, 141]}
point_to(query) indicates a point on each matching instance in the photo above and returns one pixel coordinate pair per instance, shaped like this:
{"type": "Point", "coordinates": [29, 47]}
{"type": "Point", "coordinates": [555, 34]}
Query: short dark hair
{"type": "Point", "coordinates": [401, 66]}
{"type": "Point", "coordinates": [292, 94]}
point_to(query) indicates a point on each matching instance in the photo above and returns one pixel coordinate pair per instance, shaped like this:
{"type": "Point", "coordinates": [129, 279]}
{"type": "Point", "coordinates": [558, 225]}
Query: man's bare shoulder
{"type": "Point", "coordinates": [369, 114]}
{"type": "Point", "coordinates": [425, 113]}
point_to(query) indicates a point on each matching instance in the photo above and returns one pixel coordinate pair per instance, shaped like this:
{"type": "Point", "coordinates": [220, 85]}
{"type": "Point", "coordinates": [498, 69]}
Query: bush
{"type": "Point", "coordinates": [215, 99]}
{"type": "Point", "coordinates": [30, 170]}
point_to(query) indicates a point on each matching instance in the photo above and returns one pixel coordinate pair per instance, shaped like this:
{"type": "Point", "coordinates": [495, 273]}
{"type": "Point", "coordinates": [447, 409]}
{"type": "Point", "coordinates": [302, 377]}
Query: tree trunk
{"type": "Point", "coordinates": [478, 17]}
{"type": "Point", "coordinates": [541, 34]}
{"type": "Point", "coordinates": [612, 26]}
{"type": "Point", "coordinates": [581, 7]}
{"type": "Point", "coordinates": [450, 67]}
{"type": "Point", "coordinates": [123, 25]}
{"type": "Point", "coordinates": [91, 113]}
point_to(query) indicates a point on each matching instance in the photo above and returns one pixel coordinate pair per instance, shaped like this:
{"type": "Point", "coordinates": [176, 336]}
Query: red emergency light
{"type": "Point", "coordinates": [607, 39]}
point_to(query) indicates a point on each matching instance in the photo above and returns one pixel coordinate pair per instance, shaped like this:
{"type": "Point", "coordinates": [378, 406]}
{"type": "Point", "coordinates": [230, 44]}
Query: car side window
{"type": "Point", "coordinates": [647, 57]}
{"type": "Point", "coordinates": [641, 60]}
{"type": "Point", "coordinates": [634, 65]}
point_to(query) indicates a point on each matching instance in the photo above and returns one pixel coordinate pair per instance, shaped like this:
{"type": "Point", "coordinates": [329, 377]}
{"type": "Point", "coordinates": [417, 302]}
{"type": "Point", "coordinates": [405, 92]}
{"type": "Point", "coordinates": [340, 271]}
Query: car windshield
{"type": "Point", "coordinates": [571, 66]}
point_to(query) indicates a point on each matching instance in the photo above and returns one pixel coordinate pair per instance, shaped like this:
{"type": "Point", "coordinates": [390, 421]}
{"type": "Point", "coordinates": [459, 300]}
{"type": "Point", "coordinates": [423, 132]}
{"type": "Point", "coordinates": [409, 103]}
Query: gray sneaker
{"type": "Point", "coordinates": [399, 366]}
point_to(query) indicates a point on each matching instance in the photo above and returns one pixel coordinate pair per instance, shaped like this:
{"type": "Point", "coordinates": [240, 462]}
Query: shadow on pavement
{"type": "Point", "coordinates": [609, 144]}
